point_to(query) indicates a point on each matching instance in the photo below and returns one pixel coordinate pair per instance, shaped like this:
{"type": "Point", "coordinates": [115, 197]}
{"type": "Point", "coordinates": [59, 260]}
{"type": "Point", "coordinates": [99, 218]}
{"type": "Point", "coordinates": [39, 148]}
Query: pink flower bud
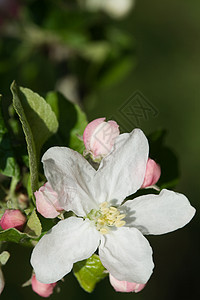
{"type": "Point", "coordinates": [99, 137]}
{"type": "Point", "coordinates": [125, 286]}
{"type": "Point", "coordinates": [12, 218]}
{"type": "Point", "coordinates": [42, 289]}
{"type": "Point", "coordinates": [47, 201]}
{"type": "Point", "coordinates": [152, 175]}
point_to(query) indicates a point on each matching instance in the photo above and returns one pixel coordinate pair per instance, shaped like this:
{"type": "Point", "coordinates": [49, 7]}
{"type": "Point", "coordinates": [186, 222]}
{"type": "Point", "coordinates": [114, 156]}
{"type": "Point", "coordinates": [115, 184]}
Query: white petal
{"type": "Point", "coordinates": [70, 175]}
{"type": "Point", "coordinates": [158, 214]}
{"type": "Point", "coordinates": [127, 255]}
{"type": "Point", "coordinates": [69, 241]}
{"type": "Point", "coordinates": [122, 172]}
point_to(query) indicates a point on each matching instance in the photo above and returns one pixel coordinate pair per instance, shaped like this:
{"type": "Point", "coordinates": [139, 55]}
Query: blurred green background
{"type": "Point", "coordinates": [155, 49]}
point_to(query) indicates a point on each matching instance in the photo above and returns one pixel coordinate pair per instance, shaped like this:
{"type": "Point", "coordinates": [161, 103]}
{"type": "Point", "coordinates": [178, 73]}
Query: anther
{"type": "Point", "coordinates": [119, 223]}
{"type": "Point", "coordinates": [104, 210]}
{"type": "Point", "coordinates": [103, 230]}
{"type": "Point", "coordinates": [112, 209]}
{"type": "Point", "coordinates": [120, 217]}
{"type": "Point", "coordinates": [104, 204]}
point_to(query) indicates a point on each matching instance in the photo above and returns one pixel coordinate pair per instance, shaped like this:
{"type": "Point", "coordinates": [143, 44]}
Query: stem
{"type": "Point", "coordinates": [11, 195]}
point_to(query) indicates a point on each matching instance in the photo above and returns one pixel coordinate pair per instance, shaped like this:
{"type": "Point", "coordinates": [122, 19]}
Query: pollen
{"type": "Point", "coordinates": [104, 230]}
{"type": "Point", "coordinates": [109, 216]}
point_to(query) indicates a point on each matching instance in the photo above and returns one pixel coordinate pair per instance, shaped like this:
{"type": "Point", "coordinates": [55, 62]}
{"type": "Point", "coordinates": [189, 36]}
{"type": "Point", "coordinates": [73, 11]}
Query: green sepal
{"type": "Point", "coordinates": [33, 226]}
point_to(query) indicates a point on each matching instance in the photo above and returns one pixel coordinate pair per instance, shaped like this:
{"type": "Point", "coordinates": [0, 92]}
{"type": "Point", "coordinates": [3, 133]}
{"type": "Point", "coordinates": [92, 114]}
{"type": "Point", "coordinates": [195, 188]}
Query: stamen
{"type": "Point", "coordinates": [104, 204]}
{"type": "Point", "coordinates": [105, 210]}
{"type": "Point", "coordinates": [101, 222]}
{"type": "Point", "coordinates": [103, 230]}
{"type": "Point", "coordinates": [111, 222]}
{"type": "Point", "coordinates": [120, 223]}
{"type": "Point", "coordinates": [112, 209]}
{"type": "Point", "coordinates": [106, 217]}
{"type": "Point", "coordinates": [120, 217]}
{"type": "Point", "coordinates": [109, 216]}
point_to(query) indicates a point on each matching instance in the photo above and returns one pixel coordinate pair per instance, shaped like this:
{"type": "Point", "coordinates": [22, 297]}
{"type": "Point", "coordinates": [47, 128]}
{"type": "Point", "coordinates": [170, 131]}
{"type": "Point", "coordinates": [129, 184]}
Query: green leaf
{"type": "Point", "coordinates": [8, 164]}
{"type": "Point", "coordinates": [72, 121]}
{"type": "Point", "coordinates": [33, 226]}
{"type": "Point", "coordinates": [89, 272]}
{"type": "Point", "coordinates": [15, 236]}
{"type": "Point", "coordinates": [38, 122]}
{"type": "Point", "coordinates": [4, 256]}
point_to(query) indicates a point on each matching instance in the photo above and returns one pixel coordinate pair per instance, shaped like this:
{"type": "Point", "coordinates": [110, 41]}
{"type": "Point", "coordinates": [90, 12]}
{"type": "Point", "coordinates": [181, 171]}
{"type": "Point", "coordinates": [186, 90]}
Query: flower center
{"type": "Point", "coordinates": [106, 217]}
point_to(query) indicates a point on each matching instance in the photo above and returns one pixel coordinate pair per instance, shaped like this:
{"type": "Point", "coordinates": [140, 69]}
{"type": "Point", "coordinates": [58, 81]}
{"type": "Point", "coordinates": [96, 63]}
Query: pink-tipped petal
{"type": "Point", "coordinates": [152, 175]}
{"type": "Point", "coordinates": [42, 289]}
{"type": "Point", "coordinates": [89, 129]}
{"type": "Point", "coordinates": [99, 137]}
{"type": "Point", "coordinates": [125, 286]}
{"type": "Point", "coordinates": [47, 201]}
{"type": "Point", "coordinates": [12, 218]}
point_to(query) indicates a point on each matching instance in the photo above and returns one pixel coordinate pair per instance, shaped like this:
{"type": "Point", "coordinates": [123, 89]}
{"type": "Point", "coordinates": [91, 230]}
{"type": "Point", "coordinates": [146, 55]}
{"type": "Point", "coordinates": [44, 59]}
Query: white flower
{"type": "Point", "coordinates": [102, 222]}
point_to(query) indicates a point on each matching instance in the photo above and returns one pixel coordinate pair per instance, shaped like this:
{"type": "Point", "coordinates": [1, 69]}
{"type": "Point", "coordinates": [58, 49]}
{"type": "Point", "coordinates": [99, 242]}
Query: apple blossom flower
{"type": "Point", "coordinates": [125, 286]}
{"type": "Point", "coordinates": [42, 289]}
{"type": "Point", "coordinates": [99, 137]}
{"type": "Point", "coordinates": [12, 218]}
{"type": "Point", "coordinates": [152, 175]}
{"type": "Point", "coordinates": [47, 202]}
{"type": "Point", "coordinates": [103, 221]}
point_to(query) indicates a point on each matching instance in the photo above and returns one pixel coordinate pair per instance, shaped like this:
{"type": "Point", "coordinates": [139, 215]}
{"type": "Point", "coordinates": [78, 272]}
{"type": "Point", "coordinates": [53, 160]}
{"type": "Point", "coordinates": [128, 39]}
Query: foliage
{"type": "Point", "coordinates": [38, 123]}
{"type": "Point", "coordinates": [89, 272]}
{"type": "Point", "coordinates": [55, 41]}
{"type": "Point", "coordinates": [57, 45]}
{"type": "Point", "coordinates": [46, 122]}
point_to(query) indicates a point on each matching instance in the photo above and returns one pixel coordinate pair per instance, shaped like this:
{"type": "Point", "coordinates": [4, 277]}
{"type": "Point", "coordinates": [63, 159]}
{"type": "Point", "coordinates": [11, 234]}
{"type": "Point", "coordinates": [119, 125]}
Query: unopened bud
{"type": "Point", "coordinates": [47, 201]}
{"type": "Point", "coordinates": [99, 137]}
{"type": "Point", "coordinates": [42, 289]}
{"type": "Point", "coordinates": [12, 218]}
{"type": "Point", "coordinates": [125, 286]}
{"type": "Point", "coordinates": [152, 175]}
